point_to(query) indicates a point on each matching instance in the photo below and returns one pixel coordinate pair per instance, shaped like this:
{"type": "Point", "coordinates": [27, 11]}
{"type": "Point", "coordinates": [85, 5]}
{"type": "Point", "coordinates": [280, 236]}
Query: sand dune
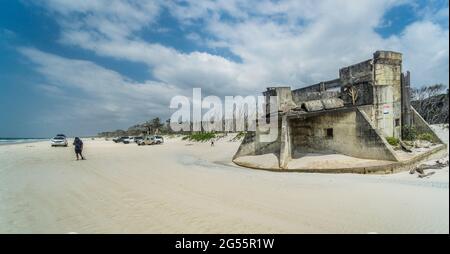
{"type": "Point", "coordinates": [180, 187]}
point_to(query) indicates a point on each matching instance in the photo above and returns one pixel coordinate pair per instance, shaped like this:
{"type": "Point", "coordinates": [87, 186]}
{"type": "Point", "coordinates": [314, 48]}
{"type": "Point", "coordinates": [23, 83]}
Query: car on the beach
{"type": "Point", "coordinates": [159, 139]}
{"type": "Point", "coordinates": [147, 140]}
{"type": "Point", "coordinates": [128, 140]}
{"type": "Point", "coordinates": [137, 139]}
{"type": "Point", "coordinates": [151, 140]}
{"type": "Point", "coordinates": [59, 140]}
{"type": "Point", "coordinates": [119, 139]}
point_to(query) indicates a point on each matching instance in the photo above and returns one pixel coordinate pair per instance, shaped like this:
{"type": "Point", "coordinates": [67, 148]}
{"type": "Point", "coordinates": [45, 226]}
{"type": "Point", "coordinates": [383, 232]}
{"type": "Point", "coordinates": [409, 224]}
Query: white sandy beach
{"type": "Point", "coordinates": [182, 187]}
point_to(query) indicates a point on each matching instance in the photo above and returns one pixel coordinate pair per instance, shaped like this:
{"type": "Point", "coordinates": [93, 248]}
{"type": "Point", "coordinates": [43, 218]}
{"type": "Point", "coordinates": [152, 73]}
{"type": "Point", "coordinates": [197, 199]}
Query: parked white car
{"type": "Point", "coordinates": [137, 139]}
{"type": "Point", "coordinates": [150, 140]}
{"type": "Point", "coordinates": [59, 140]}
{"type": "Point", "coordinates": [128, 140]}
{"type": "Point", "coordinates": [159, 139]}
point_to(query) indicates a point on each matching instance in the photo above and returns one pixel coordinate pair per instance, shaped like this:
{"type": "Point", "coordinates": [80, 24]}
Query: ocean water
{"type": "Point", "coordinates": [5, 141]}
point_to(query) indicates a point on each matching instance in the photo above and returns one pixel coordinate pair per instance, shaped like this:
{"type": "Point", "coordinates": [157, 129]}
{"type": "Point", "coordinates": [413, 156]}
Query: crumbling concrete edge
{"type": "Point", "coordinates": [388, 147]}
{"type": "Point", "coordinates": [394, 167]}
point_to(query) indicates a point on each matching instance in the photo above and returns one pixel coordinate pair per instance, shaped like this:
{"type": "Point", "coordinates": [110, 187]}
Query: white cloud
{"type": "Point", "coordinates": [109, 18]}
{"type": "Point", "coordinates": [91, 91]}
{"type": "Point", "coordinates": [425, 48]}
{"type": "Point", "coordinates": [292, 42]}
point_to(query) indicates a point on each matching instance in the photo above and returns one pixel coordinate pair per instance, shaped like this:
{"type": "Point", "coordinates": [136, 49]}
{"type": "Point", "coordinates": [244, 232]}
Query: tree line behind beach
{"type": "Point", "coordinates": [153, 126]}
{"type": "Point", "coordinates": [431, 102]}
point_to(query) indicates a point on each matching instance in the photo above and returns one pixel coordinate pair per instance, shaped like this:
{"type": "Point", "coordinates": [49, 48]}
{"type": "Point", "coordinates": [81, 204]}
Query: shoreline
{"type": "Point", "coordinates": [25, 142]}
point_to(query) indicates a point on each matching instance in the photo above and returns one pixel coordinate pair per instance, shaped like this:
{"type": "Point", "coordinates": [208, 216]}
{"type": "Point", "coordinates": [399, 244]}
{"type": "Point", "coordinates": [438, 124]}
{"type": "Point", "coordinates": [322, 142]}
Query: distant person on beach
{"type": "Point", "coordinates": [78, 147]}
{"type": "Point", "coordinates": [212, 142]}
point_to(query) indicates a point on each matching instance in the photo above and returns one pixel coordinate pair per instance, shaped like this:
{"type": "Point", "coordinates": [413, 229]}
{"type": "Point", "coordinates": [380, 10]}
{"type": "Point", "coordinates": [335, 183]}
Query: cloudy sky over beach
{"type": "Point", "coordinates": [81, 67]}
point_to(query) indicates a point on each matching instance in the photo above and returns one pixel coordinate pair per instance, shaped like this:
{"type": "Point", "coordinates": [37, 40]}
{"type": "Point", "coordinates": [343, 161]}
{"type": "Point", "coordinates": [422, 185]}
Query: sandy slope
{"type": "Point", "coordinates": [182, 188]}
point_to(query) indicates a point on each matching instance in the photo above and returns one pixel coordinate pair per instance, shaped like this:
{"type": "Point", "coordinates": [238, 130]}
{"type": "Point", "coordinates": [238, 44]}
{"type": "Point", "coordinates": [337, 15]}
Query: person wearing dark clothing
{"type": "Point", "coordinates": [78, 148]}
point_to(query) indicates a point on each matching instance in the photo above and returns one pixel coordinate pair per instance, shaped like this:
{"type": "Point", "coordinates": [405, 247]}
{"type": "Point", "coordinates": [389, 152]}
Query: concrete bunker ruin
{"type": "Point", "coordinates": [351, 116]}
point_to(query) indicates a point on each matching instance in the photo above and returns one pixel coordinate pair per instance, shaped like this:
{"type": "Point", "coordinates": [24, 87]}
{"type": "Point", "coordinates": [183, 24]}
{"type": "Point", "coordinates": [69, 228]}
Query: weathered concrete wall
{"type": "Point", "coordinates": [372, 140]}
{"type": "Point", "coordinates": [357, 73]}
{"type": "Point", "coordinates": [284, 98]}
{"type": "Point", "coordinates": [301, 97]}
{"type": "Point", "coordinates": [352, 134]}
{"type": "Point", "coordinates": [378, 82]}
{"type": "Point", "coordinates": [384, 113]}
{"type": "Point", "coordinates": [319, 91]}
{"type": "Point", "coordinates": [319, 87]}
{"type": "Point", "coordinates": [369, 110]}
{"type": "Point", "coordinates": [285, 143]}
{"type": "Point", "coordinates": [387, 93]}
{"type": "Point", "coordinates": [248, 145]}
{"type": "Point", "coordinates": [252, 145]}
{"type": "Point", "coordinates": [406, 99]}
{"type": "Point", "coordinates": [359, 76]}
{"type": "Point", "coordinates": [365, 94]}
{"type": "Point", "coordinates": [388, 69]}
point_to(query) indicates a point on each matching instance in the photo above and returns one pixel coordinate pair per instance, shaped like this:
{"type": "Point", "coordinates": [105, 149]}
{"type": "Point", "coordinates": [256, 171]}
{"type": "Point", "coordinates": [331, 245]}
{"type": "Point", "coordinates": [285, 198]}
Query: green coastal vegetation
{"type": "Point", "coordinates": [200, 136]}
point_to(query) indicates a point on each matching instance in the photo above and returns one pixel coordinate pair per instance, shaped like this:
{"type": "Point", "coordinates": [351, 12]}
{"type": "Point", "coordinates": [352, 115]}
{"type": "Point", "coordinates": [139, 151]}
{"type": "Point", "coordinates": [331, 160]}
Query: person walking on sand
{"type": "Point", "coordinates": [78, 147]}
{"type": "Point", "coordinates": [212, 142]}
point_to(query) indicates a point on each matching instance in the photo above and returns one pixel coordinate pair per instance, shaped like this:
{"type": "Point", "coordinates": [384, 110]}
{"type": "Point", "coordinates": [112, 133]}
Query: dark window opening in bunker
{"type": "Point", "coordinates": [330, 133]}
{"type": "Point", "coordinates": [397, 122]}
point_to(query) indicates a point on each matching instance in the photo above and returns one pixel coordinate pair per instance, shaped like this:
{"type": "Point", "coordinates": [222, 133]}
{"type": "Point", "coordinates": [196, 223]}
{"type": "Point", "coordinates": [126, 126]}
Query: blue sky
{"type": "Point", "coordinates": [81, 67]}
